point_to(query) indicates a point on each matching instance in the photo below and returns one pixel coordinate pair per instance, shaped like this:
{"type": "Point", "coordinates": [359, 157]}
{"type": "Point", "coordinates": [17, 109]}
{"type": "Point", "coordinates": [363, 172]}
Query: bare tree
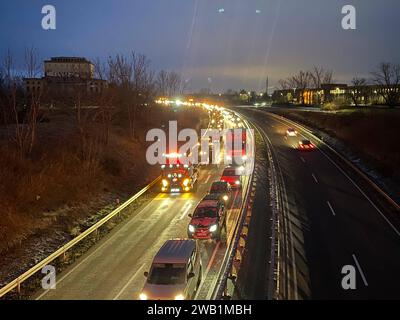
{"type": "Point", "coordinates": [174, 80]}
{"type": "Point", "coordinates": [283, 84]}
{"type": "Point", "coordinates": [359, 90]}
{"type": "Point", "coordinates": [387, 76]}
{"type": "Point", "coordinates": [300, 81]}
{"type": "Point", "coordinates": [162, 83]}
{"type": "Point", "coordinates": [31, 62]}
{"type": "Point", "coordinates": [320, 76]}
{"type": "Point", "coordinates": [8, 68]}
{"type": "Point", "coordinates": [100, 69]}
{"type": "Point", "coordinates": [327, 77]}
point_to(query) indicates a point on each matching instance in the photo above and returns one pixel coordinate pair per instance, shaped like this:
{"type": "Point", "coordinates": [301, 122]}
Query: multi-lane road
{"type": "Point", "coordinates": [113, 269]}
{"type": "Point", "coordinates": [332, 223]}
{"type": "Point", "coordinates": [327, 224]}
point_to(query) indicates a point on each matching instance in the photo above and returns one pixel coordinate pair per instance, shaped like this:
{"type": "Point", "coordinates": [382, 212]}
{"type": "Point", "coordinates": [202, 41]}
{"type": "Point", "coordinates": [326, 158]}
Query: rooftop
{"type": "Point", "coordinates": [68, 59]}
{"type": "Point", "coordinates": [175, 251]}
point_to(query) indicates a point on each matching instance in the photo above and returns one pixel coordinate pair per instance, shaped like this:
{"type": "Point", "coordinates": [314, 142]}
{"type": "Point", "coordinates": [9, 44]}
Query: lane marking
{"type": "Point", "coordinates": [302, 159]}
{"type": "Point", "coordinates": [185, 211]}
{"type": "Point", "coordinates": [208, 178]}
{"type": "Point", "coordinates": [205, 274]}
{"type": "Point", "coordinates": [129, 282]}
{"type": "Point", "coordinates": [348, 177]}
{"type": "Point", "coordinates": [360, 270]}
{"type": "Point", "coordinates": [314, 177]}
{"type": "Point", "coordinates": [330, 207]}
{"type": "Point", "coordinates": [288, 223]}
{"type": "Point", "coordinates": [95, 251]}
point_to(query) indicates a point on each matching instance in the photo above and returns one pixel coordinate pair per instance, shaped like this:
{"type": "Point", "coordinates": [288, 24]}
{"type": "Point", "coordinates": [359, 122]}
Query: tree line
{"type": "Point", "coordinates": [386, 78]}
{"type": "Point", "coordinates": [132, 84]}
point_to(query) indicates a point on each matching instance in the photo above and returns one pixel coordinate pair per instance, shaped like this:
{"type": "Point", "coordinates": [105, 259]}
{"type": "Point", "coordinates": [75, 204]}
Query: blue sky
{"type": "Point", "coordinates": [234, 49]}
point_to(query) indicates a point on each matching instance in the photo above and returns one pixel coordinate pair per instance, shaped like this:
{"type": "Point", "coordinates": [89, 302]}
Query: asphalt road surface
{"type": "Point", "coordinates": [113, 268]}
{"type": "Point", "coordinates": [332, 224]}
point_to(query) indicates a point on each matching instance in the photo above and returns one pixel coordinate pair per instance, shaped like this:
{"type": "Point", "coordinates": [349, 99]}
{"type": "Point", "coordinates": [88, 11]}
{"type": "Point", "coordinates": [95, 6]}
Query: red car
{"type": "Point", "coordinates": [306, 145]}
{"type": "Point", "coordinates": [232, 176]}
{"type": "Point", "coordinates": [208, 220]}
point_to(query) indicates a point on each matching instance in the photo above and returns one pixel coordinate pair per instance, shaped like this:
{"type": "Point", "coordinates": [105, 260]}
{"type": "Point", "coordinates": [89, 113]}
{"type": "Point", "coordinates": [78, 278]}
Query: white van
{"type": "Point", "coordinates": [175, 272]}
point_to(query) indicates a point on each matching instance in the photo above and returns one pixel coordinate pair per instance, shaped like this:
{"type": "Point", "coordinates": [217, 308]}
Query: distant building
{"type": "Point", "coordinates": [68, 67]}
{"type": "Point", "coordinates": [63, 76]}
{"type": "Point", "coordinates": [335, 92]}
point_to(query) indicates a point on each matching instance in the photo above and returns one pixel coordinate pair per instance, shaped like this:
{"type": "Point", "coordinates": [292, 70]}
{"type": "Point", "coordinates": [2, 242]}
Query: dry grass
{"type": "Point", "coordinates": [55, 177]}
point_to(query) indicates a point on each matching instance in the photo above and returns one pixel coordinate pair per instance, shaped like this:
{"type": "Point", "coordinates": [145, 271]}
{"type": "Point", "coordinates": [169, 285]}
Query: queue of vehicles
{"type": "Point", "coordinates": [176, 269]}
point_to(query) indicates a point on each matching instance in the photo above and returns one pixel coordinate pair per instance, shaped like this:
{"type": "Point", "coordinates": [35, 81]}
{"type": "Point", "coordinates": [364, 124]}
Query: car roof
{"type": "Point", "coordinates": [305, 141]}
{"type": "Point", "coordinates": [207, 203]}
{"type": "Point", "coordinates": [175, 251]}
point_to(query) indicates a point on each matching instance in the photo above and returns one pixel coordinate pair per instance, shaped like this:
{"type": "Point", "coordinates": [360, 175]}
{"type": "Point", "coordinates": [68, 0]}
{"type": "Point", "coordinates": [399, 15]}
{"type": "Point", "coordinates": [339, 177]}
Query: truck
{"type": "Point", "coordinates": [236, 151]}
{"type": "Point", "coordinates": [177, 177]}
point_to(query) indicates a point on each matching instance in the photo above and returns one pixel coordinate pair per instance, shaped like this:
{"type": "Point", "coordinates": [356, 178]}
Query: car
{"type": "Point", "coordinates": [175, 273]}
{"type": "Point", "coordinates": [208, 221]}
{"type": "Point", "coordinates": [232, 176]}
{"type": "Point", "coordinates": [220, 190]}
{"type": "Point", "coordinates": [291, 132]}
{"type": "Point", "coordinates": [306, 145]}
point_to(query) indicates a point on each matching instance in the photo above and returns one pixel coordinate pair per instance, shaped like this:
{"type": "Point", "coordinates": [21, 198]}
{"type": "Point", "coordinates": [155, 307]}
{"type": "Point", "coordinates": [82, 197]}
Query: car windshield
{"type": "Point", "coordinates": [218, 187]}
{"type": "Point", "coordinates": [229, 172]}
{"type": "Point", "coordinates": [167, 274]}
{"type": "Point", "coordinates": [205, 212]}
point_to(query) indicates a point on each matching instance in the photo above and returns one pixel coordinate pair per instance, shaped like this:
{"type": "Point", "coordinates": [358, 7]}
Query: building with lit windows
{"type": "Point", "coordinates": [63, 76]}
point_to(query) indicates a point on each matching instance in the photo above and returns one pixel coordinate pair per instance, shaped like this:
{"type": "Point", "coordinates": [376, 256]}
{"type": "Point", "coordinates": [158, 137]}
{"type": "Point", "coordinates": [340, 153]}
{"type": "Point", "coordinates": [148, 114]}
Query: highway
{"type": "Point", "coordinates": [113, 268]}
{"type": "Point", "coordinates": [332, 223]}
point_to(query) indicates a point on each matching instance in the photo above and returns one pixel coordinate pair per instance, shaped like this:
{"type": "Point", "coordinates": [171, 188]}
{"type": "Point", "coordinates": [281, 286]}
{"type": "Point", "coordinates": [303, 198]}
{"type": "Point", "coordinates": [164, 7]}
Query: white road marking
{"type": "Point", "coordinates": [302, 159]}
{"type": "Point", "coordinates": [208, 178]}
{"type": "Point", "coordinates": [128, 283]}
{"type": "Point", "coordinates": [95, 251]}
{"type": "Point", "coordinates": [185, 211]}
{"type": "Point", "coordinates": [360, 270]}
{"type": "Point", "coordinates": [314, 177]}
{"type": "Point", "coordinates": [205, 274]}
{"type": "Point", "coordinates": [330, 207]}
{"type": "Point", "coordinates": [355, 184]}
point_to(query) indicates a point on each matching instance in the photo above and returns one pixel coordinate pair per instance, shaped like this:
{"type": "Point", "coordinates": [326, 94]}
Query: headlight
{"type": "Point", "coordinates": [192, 229]}
{"type": "Point", "coordinates": [237, 182]}
{"type": "Point", "coordinates": [185, 182]}
{"type": "Point", "coordinates": [179, 297]}
{"type": "Point", "coordinates": [143, 296]}
{"type": "Point", "coordinates": [213, 228]}
{"type": "Point", "coordinates": [165, 182]}
{"type": "Point", "coordinates": [225, 197]}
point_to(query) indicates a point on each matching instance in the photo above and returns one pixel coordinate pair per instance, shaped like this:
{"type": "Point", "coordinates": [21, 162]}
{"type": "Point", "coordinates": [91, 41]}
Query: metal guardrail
{"type": "Point", "coordinates": [349, 163]}
{"type": "Point", "coordinates": [16, 283]}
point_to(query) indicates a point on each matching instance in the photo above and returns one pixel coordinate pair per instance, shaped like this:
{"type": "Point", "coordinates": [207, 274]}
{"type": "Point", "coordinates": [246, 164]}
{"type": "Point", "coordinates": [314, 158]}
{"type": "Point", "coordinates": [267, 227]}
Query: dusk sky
{"type": "Point", "coordinates": [235, 49]}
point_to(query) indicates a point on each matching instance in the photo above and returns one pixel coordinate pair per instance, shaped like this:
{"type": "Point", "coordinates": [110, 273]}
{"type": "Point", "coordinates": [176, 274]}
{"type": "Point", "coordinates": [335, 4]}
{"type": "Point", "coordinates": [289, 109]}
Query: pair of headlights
{"type": "Point", "coordinates": [212, 228]}
{"type": "Point", "coordinates": [165, 182]}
